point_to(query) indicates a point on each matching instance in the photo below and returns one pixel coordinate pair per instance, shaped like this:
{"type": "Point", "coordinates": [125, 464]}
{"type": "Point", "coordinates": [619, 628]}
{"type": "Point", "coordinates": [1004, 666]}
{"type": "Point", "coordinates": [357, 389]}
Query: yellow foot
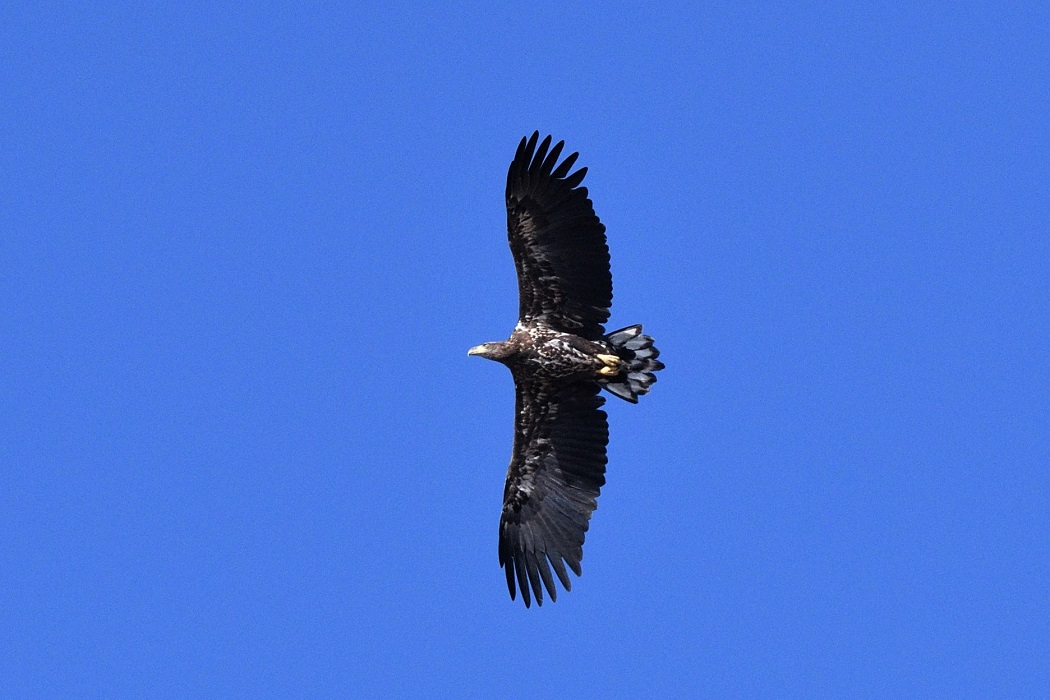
{"type": "Point", "coordinates": [612, 365]}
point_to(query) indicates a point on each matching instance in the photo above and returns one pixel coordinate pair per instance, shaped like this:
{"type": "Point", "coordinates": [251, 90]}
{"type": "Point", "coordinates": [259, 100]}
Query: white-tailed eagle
{"type": "Point", "coordinates": [561, 358]}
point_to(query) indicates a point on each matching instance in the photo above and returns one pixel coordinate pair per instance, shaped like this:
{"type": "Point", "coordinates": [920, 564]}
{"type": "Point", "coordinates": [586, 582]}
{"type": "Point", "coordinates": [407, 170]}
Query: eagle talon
{"type": "Point", "coordinates": [612, 365]}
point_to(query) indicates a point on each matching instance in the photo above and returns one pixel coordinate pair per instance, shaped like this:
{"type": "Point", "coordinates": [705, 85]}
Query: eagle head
{"type": "Point", "coordinates": [493, 351]}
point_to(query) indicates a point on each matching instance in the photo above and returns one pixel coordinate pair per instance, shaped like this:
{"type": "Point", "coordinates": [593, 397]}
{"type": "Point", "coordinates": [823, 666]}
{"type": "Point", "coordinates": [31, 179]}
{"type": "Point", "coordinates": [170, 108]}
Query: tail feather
{"type": "Point", "coordinates": [640, 364]}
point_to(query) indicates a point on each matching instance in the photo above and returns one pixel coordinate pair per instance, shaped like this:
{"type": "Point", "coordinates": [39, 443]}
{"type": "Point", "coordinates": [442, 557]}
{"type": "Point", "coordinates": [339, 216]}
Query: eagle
{"type": "Point", "coordinates": [560, 358]}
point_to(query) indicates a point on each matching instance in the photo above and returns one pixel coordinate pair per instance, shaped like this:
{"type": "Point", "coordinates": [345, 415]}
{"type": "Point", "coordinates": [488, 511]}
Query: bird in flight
{"type": "Point", "coordinates": [561, 358]}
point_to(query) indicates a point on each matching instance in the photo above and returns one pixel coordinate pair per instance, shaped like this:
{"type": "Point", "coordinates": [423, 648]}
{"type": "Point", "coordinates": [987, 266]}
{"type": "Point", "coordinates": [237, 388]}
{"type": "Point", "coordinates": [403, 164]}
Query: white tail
{"type": "Point", "coordinates": [639, 358]}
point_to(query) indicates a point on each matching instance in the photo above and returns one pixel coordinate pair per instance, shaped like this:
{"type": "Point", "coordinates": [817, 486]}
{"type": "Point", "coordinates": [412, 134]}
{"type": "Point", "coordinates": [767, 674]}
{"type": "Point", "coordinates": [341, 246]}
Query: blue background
{"type": "Point", "coordinates": [244, 252]}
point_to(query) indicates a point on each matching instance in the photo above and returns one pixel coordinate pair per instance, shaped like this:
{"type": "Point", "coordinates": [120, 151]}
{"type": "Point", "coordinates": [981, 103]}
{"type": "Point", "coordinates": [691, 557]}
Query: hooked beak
{"type": "Point", "coordinates": [477, 350]}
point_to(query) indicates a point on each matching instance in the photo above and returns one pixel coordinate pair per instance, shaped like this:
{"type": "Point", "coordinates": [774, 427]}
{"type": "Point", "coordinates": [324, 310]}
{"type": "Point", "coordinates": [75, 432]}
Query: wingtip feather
{"type": "Point", "coordinates": [573, 181]}
{"type": "Point", "coordinates": [563, 169]}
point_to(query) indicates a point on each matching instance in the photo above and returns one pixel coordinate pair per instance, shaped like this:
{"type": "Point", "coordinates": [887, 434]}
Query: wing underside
{"type": "Point", "coordinates": [558, 242]}
{"type": "Point", "coordinates": [555, 475]}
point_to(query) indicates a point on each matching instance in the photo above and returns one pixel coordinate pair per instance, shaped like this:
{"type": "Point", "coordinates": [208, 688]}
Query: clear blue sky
{"type": "Point", "coordinates": [243, 253]}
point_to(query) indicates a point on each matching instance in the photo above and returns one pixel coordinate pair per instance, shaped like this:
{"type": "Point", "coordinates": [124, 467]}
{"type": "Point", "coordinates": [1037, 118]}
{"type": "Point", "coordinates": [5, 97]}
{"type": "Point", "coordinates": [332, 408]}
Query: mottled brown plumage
{"type": "Point", "coordinates": [560, 358]}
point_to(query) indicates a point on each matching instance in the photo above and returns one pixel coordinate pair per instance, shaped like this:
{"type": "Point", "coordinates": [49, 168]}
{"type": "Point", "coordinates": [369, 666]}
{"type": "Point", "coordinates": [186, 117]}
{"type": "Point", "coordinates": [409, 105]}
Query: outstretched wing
{"type": "Point", "coordinates": [558, 242]}
{"type": "Point", "coordinates": [555, 475]}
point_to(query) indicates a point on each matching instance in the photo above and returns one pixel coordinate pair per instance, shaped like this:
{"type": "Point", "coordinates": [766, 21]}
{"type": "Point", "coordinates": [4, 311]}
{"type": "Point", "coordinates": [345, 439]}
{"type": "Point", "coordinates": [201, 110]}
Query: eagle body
{"type": "Point", "coordinates": [547, 354]}
{"type": "Point", "coordinates": [560, 358]}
